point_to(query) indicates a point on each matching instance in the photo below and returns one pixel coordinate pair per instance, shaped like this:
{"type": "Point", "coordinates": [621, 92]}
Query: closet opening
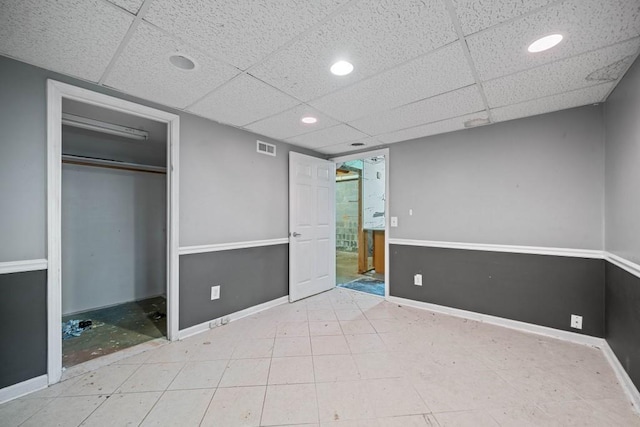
{"type": "Point", "coordinates": [113, 231]}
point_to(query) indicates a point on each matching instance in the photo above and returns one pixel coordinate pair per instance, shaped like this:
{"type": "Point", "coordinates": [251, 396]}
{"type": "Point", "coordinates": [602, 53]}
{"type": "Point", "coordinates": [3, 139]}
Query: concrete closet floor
{"type": "Point", "coordinates": [115, 328]}
{"type": "Point", "coordinates": [342, 359]}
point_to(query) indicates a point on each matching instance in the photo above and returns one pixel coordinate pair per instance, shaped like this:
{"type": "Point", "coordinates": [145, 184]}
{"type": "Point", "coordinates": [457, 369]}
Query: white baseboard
{"type": "Point", "coordinates": [205, 326]}
{"type": "Point", "coordinates": [500, 321]}
{"type": "Point", "coordinates": [629, 388]}
{"type": "Point", "coordinates": [23, 388]}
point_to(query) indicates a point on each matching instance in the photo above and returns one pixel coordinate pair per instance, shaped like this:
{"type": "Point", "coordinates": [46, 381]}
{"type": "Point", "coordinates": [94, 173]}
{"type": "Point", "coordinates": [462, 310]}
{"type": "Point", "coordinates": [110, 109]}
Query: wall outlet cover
{"type": "Point", "coordinates": [576, 321]}
{"type": "Point", "coordinates": [394, 221]}
{"type": "Point", "coordinates": [215, 292]}
{"type": "Point", "coordinates": [417, 279]}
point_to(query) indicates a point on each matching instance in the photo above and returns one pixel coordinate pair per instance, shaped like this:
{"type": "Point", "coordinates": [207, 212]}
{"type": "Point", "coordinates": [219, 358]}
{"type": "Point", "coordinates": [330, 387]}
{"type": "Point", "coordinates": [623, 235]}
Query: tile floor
{"type": "Point", "coordinates": [342, 359]}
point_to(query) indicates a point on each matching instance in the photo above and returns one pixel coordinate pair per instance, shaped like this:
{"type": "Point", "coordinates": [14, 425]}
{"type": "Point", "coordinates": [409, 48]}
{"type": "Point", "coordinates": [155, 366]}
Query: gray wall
{"type": "Point", "coordinates": [622, 228]}
{"type": "Point", "coordinates": [247, 277]}
{"type": "Point", "coordinates": [533, 182]}
{"type": "Point", "coordinates": [113, 236]}
{"type": "Point", "coordinates": [23, 326]}
{"type": "Point", "coordinates": [539, 289]}
{"type": "Point", "coordinates": [622, 112]}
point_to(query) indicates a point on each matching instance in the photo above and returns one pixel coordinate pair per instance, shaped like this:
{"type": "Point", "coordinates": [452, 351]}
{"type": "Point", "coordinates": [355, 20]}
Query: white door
{"type": "Point", "coordinates": [312, 224]}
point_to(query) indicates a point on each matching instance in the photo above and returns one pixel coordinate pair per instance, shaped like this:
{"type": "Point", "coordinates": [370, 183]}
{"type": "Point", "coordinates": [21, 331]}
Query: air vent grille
{"type": "Point", "coordinates": [266, 148]}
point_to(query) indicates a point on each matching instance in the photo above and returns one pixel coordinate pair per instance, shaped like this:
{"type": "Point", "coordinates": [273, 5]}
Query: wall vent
{"type": "Point", "coordinates": [266, 148]}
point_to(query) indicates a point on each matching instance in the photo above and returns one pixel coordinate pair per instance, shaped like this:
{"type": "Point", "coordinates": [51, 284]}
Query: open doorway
{"type": "Point", "coordinates": [57, 93]}
{"type": "Point", "coordinates": [114, 223]}
{"type": "Point", "coordinates": [361, 224]}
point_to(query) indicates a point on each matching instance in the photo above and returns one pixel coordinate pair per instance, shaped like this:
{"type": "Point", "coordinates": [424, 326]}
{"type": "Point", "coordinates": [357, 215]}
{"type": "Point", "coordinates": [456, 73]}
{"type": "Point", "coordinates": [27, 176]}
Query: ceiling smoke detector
{"type": "Point", "coordinates": [182, 62]}
{"type": "Point", "coordinates": [545, 43]}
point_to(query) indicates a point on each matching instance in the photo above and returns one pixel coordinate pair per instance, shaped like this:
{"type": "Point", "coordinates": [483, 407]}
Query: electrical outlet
{"type": "Point", "coordinates": [215, 292]}
{"type": "Point", "coordinates": [576, 321]}
{"type": "Point", "coordinates": [417, 279]}
{"type": "Point", "coordinates": [394, 221]}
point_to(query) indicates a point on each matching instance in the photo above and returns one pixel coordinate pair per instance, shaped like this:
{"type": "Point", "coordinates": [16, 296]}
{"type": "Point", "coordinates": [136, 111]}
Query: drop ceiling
{"type": "Point", "coordinates": [421, 67]}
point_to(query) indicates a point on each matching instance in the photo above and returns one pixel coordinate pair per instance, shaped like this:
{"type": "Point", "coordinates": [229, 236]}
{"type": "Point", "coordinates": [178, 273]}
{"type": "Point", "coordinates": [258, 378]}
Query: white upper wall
{"type": "Point", "coordinates": [622, 122]}
{"type": "Point", "coordinates": [537, 181]}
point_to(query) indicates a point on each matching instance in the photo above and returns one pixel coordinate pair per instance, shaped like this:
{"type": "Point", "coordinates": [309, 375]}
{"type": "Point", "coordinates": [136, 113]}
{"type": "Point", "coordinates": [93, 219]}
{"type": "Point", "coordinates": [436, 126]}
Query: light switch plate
{"type": "Point", "coordinates": [417, 279]}
{"type": "Point", "coordinates": [215, 292]}
{"type": "Point", "coordinates": [394, 221]}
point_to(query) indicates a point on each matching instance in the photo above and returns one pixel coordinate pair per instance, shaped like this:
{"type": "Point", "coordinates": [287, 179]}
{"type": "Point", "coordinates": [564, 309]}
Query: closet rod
{"type": "Point", "coordinates": [111, 164]}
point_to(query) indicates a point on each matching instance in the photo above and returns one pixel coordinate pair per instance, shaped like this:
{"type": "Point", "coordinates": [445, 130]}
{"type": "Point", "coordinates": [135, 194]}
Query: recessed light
{"type": "Point", "coordinates": [342, 68]}
{"type": "Point", "coordinates": [357, 144]}
{"type": "Point", "coordinates": [182, 62]}
{"type": "Point", "coordinates": [545, 43]}
{"type": "Point", "coordinates": [476, 122]}
{"type": "Point", "coordinates": [309, 120]}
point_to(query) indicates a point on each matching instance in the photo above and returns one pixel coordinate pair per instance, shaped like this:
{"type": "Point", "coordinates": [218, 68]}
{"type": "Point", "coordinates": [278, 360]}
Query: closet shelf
{"type": "Point", "coordinates": [112, 164]}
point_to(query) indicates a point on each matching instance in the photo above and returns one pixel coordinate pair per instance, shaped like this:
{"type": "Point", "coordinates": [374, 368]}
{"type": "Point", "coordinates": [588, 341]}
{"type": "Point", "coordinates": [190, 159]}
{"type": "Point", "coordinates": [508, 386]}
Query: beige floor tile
{"type": "Point", "coordinates": [407, 421]}
{"type": "Point", "coordinates": [325, 328]}
{"type": "Point", "coordinates": [178, 351]}
{"type": "Point", "coordinates": [538, 385]}
{"type": "Point", "coordinates": [574, 413]}
{"type": "Point", "coordinates": [591, 382]}
{"type": "Point", "coordinates": [136, 359]}
{"type": "Point", "coordinates": [343, 401]}
{"type": "Point", "coordinates": [618, 412]}
{"type": "Point", "coordinates": [322, 315]}
{"type": "Point", "coordinates": [253, 349]}
{"type": "Point", "coordinates": [65, 411]}
{"type": "Point", "coordinates": [246, 372]}
{"type": "Point", "coordinates": [365, 343]}
{"type": "Point", "coordinates": [123, 410]}
{"type": "Point", "coordinates": [152, 377]}
{"type": "Point", "coordinates": [352, 327]}
{"type": "Point", "coordinates": [520, 416]}
{"type": "Point", "coordinates": [194, 375]}
{"type": "Point", "coordinates": [102, 381]}
{"type": "Point", "coordinates": [350, 314]}
{"type": "Point", "coordinates": [290, 404]}
{"type": "Point", "coordinates": [378, 365]}
{"type": "Point", "coordinates": [179, 408]}
{"type": "Point", "coordinates": [393, 397]}
{"type": "Point", "coordinates": [291, 370]}
{"type": "Point", "coordinates": [234, 407]}
{"type": "Point", "coordinates": [387, 325]}
{"type": "Point", "coordinates": [17, 411]}
{"type": "Point", "coordinates": [294, 346]}
{"type": "Point", "coordinates": [212, 349]}
{"type": "Point", "coordinates": [466, 419]}
{"type": "Point", "coordinates": [335, 344]}
{"type": "Point", "coordinates": [293, 329]}
{"type": "Point", "coordinates": [337, 367]}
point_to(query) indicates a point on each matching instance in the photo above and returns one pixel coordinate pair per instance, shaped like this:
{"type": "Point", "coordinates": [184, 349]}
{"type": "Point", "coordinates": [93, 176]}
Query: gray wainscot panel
{"type": "Point", "coordinates": [248, 277]}
{"type": "Point", "coordinates": [23, 326]}
{"type": "Point", "coordinates": [623, 319]}
{"type": "Point", "coordinates": [540, 289]}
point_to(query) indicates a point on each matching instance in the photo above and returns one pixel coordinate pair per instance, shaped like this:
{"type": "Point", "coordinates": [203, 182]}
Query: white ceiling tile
{"type": "Point", "coordinates": [143, 69]}
{"type": "Point", "coordinates": [239, 32]}
{"type": "Point", "coordinates": [346, 147]}
{"type": "Point", "coordinates": [451, 104]}
{"type": "Point", "coordinates": [373, 35]}
{"type": "Point", "coordinates": [422, 78]}
{"type": "Point", "coordinates": [586, 25]}
{"type": "Point", "coordinates": [584, 70]}
{"type": "Point", "coordinates": [287, 124]}
{"type": "Point", "coordinates": [330, 136]}
{"type": "Point", "coordinates": [443, 126]}
{"type": "Point", "coordinates": [75, 37]}
{"type": "Point", "coordinates": [476, 15]}
{"type": "Point", "coordinates": [132, 6]}
{"type": "Point", "coordinates": [243, 100]}
{"type": "Point", "coordinates": [576, 98]}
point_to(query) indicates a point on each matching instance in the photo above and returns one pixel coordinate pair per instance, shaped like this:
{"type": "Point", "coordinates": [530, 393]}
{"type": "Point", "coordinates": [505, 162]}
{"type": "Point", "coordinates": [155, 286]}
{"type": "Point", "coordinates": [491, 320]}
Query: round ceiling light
{"type": "Point", "coordinates": [342, 68]}
{"type": "Point", "coordinates": [545, 43]}
{"type": "Point", "coordinates": [182, 62]}
{"type": "Point", "coordinates": [309, 120]}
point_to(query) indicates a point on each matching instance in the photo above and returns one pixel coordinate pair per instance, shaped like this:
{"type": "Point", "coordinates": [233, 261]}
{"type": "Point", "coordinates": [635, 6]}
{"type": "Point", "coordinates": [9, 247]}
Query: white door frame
{"type": "Point", "coordinates": [363, 155]}
{"type": "Point", "coordinates": [56, 91]}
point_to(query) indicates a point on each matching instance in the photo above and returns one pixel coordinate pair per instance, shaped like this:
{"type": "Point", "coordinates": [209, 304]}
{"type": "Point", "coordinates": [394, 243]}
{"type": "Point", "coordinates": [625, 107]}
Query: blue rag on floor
{"type": "Point", "coordinates": [71, 328]}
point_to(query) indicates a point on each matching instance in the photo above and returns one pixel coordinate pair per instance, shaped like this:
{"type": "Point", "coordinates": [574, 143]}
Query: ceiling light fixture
{"type": "Point", "coordinates": [182, 62]}
{"type": "Point", "coordinates": [342, 68]}
{"type": "Point", "coordinates": [545, 43]}
{"type": "Point", "coordinates": [308, 120]}
{"type": "Point", "coordinates": [103, 127]}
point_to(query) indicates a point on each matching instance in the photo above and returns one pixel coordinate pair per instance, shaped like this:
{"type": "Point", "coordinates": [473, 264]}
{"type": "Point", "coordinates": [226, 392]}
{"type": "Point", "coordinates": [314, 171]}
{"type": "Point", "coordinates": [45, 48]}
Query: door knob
{"type": "Point", "coordinates": [294, 234]}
